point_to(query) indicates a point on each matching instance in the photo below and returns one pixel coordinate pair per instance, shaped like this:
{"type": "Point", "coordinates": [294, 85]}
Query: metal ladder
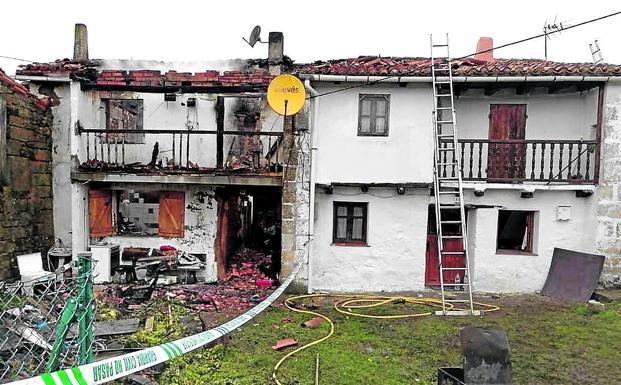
{"type": "Point", "coordinates": [447, 184]}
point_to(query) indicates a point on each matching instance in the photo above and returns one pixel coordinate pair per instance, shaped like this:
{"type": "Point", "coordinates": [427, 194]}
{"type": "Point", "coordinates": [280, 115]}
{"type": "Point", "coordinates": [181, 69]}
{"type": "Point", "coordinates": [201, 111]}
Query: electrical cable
{"type": "Point", "coordinates": [345, 304]}
{"type": "Point", "coordinates": [16, 58]}
{"type": "Point", "coordinates": [362, 84]}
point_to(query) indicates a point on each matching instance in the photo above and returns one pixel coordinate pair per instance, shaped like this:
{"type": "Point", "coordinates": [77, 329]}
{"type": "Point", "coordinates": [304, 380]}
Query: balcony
{"type": "Point", "coordinates": [229, 157]}
{"type": "Point", "coordinates": [530, 160]}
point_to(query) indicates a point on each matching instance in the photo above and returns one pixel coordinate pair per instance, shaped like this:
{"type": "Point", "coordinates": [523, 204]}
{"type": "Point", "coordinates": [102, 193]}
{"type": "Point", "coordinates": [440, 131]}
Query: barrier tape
{"type": "Point", "coordinates": [113, 368]}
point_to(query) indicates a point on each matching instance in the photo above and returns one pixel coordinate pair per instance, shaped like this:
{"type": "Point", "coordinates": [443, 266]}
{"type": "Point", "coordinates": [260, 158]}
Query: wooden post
{"type": "Point", "coordinates": [598, 131]}
{"type": "Point", "coordinates": [220, 129]}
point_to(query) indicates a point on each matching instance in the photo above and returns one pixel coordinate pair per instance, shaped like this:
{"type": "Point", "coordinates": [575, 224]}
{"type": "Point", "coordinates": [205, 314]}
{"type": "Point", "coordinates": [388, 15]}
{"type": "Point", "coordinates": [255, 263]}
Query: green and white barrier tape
{"type": "Point", "coordinates": [110, 369]}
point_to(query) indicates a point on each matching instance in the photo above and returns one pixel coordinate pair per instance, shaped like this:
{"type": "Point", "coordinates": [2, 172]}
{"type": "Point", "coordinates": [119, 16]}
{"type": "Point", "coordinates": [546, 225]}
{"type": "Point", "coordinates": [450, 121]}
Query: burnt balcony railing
{"type": "Point", "coordinates": [180, 150]}
{"type": "Point", "coordinates": [553, 161]}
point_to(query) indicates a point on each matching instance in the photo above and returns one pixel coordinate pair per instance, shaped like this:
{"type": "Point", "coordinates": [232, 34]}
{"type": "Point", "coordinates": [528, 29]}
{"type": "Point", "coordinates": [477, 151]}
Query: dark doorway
{"type": "Point", "coordinates": [507, 147]}
{"type": "Point", "coordinates": [249, 229]}
{"type": "Point", "coordinates": [432, 268]}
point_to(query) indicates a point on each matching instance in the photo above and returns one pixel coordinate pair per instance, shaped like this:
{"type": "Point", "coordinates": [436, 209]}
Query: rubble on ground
{"type": "Point", "coordinates": [245, 285]}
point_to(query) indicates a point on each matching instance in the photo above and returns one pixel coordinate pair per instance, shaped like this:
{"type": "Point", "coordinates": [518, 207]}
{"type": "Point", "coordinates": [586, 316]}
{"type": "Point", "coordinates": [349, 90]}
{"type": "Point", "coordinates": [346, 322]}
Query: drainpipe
{"type": "Point", "coordinates": [311, 189]}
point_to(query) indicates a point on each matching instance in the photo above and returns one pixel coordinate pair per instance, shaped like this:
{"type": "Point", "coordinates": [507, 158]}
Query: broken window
{"type": "Point", "coordinates": [373, 112]}
{"type": "Point", "coordinates": [515, 231]}
{"type": "Point", "coordinates": [350, 223]}
{"type": "Point", "coordinates": [124, 114]}
{"type": "Point", "coordinates": [138, 213]}
{"type": "Point", "coordinates": [3, 142]}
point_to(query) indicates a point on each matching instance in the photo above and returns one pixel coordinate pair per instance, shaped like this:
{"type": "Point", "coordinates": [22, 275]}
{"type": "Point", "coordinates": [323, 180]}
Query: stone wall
{"type": "Point", "coordinates": [26, 219]}
{"type": "Point", "coordinates": [608, 240]}
{"type": "Point", "coordinates": [296, 196]}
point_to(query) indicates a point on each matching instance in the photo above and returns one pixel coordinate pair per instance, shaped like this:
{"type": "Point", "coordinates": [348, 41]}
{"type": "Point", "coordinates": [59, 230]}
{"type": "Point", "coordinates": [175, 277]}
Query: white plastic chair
{"type": "Point", "coordinates": [31, 271]}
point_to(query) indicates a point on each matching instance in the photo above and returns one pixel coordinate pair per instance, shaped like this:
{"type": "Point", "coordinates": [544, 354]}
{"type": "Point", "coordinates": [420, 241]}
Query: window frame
{"type": "Point", "coordinates": [129, 138]}
{"type": "Point", "coordinates": [373, 114]}
{"type": "Point", "coordinates": [530, 233]}
{"type": "Point", "coordinates": [348, 240]}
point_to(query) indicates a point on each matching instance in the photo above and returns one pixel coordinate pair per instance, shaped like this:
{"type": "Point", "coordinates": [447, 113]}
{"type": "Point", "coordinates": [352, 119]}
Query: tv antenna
{"type": "Point", "coordinates": [596, 52]}
{"type": "Point", "coordinates": [552, 28]}
{"type": "Point", "coordinates": [255, 36]}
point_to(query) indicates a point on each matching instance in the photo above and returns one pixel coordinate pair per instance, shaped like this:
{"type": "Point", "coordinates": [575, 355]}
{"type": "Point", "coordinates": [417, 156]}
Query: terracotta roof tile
{"type": "Point", "coordinates": [59, 67]}
{"type": "Point", "coordinates": [20, 89]}
{"type": "Point", "coordinates": [384, 66]}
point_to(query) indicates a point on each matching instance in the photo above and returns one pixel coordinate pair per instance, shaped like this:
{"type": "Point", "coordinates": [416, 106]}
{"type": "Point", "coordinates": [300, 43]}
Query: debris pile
{"type": "Point", "coordinates": [246, 284]}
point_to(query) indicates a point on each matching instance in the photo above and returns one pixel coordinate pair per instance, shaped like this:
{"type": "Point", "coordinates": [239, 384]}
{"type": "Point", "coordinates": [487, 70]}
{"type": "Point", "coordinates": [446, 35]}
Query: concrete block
{"type": "Point", "coordinates": [486, 356]}
{"type": "Point", "coordinates": [605, 192]}
{"type": "Point", "coordinates": [288, 211]}
{"type": "Point", "coordinates": [288, 242]}
{"type": "Point", "coordinates": [288, 226]}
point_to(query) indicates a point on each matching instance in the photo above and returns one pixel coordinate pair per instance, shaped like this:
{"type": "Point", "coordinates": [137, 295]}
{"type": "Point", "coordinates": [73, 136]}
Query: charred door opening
{"type": "Point", "coordinates": [249, 230]}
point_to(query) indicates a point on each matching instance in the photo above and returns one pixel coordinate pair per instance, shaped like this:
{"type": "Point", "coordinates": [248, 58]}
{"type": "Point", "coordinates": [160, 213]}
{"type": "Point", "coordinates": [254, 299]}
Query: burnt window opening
{"type": "Point", "coordinates": [138, 212]}
{"type": "Point", "coordinates": [373, 113]}
{"type": "Point", "coordinates": [124, 114]}
{"type": "Point", "coordinates": [350, 223]}
{"type": "Point", "coordinates": [515, 231]}
{"type": "Point", "coordinates": [3, 143]}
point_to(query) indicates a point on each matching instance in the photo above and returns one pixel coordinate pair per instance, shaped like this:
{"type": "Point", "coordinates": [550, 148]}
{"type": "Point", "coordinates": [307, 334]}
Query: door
{"type": "Point", "coordinates": [432, 265]}
{"type": "Point", "coordinates": [506, 154]}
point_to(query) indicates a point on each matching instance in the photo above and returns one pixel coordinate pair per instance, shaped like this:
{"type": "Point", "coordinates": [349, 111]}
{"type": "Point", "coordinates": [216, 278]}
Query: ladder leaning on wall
{"type": "Point", "coordinates": [448, 191]}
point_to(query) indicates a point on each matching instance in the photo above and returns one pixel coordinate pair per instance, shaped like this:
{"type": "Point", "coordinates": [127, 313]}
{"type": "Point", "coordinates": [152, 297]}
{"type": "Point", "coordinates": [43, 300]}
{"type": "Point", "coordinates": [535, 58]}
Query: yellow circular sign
{"type": "Point", "coordinates": [286, 95]}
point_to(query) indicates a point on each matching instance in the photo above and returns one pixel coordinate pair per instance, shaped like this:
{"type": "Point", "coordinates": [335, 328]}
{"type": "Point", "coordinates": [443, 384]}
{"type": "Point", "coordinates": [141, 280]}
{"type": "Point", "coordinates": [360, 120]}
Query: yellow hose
{"type": "Point", "coordinates": [349, 302]}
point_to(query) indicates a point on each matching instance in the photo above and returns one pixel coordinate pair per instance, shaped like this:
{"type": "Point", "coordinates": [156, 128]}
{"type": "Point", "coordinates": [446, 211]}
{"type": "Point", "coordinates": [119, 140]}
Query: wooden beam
{"type": "Point", "coordinates": [220, 132]}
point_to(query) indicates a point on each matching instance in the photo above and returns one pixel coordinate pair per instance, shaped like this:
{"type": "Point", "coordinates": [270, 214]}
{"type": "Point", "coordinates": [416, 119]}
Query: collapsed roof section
{"type": "Point", "coordinates": [251, 79]}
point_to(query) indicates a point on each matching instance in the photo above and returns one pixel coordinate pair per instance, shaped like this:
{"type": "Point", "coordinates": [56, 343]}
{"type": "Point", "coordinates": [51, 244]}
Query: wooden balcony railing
{"type": "Point", "coordinates": [183, 149]}
{"type": "Point", "coordinates": [553, 161]}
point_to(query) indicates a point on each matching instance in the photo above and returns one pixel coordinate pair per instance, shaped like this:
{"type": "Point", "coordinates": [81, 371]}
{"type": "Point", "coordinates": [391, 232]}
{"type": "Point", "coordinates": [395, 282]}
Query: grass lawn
{"type": "Point", "coordinates": [550, 343]}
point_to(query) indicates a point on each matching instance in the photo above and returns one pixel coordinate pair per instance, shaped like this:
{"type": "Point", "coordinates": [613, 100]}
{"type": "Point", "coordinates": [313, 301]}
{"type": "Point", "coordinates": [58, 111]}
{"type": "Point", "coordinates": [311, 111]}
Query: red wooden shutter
{"type": "Point", "coordinates": [172, 214]}
{"type": "Point", "coordinates": [100, 212]}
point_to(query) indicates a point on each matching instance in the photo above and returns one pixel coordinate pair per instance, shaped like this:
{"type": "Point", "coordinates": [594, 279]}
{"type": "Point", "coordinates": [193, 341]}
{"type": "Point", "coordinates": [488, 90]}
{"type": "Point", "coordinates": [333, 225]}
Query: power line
{"type": "Point", "coordinates": [472, 54]}
{"type": "Point", "coordinates": [15, 58]}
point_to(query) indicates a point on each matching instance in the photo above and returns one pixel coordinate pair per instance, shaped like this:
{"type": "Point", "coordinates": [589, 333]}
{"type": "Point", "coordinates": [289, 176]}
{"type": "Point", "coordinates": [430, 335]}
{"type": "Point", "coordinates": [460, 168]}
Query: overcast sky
{"type": "Point", "coordinates": [317, 29]}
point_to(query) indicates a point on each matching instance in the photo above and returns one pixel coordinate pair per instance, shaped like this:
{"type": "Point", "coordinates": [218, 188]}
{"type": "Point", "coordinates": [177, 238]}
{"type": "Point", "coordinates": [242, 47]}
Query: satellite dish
{"type": "Point", "coordinates": [255, 36]}
{"type": "Point", "coordinates": [286, 95]}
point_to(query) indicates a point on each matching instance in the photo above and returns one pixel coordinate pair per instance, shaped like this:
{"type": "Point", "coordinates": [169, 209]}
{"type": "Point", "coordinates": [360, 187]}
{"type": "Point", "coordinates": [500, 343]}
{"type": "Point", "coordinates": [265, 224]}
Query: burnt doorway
{"type": "Point", "coordinates": [507, 146]}
{"type": "Point", "coordinates": [432, 261]}
{"type": "Point", "coordinates": [249, 230]}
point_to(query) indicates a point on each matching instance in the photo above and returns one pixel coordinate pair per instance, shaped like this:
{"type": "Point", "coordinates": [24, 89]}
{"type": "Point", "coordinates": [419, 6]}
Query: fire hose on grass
{"type": "Point", "coordinates": [346, 304]}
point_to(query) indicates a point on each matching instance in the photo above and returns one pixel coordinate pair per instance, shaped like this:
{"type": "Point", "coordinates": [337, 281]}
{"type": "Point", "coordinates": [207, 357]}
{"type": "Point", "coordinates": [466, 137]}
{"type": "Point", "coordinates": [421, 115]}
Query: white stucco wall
{"type": "Point", "coordinates": [494, 272]}
{"type": "Point", "coordinates": [160, 114]}
{"type": "Point", "coordinates": [396, 235]}
{"type": "Point", "coordinates": [405, 155]}
{"type": "Point", "coordinates": [61, 164]}
{"type": "Point", "coordinates": [550, 116]}
{"type": "Point", "coordinates": [397, 231]}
